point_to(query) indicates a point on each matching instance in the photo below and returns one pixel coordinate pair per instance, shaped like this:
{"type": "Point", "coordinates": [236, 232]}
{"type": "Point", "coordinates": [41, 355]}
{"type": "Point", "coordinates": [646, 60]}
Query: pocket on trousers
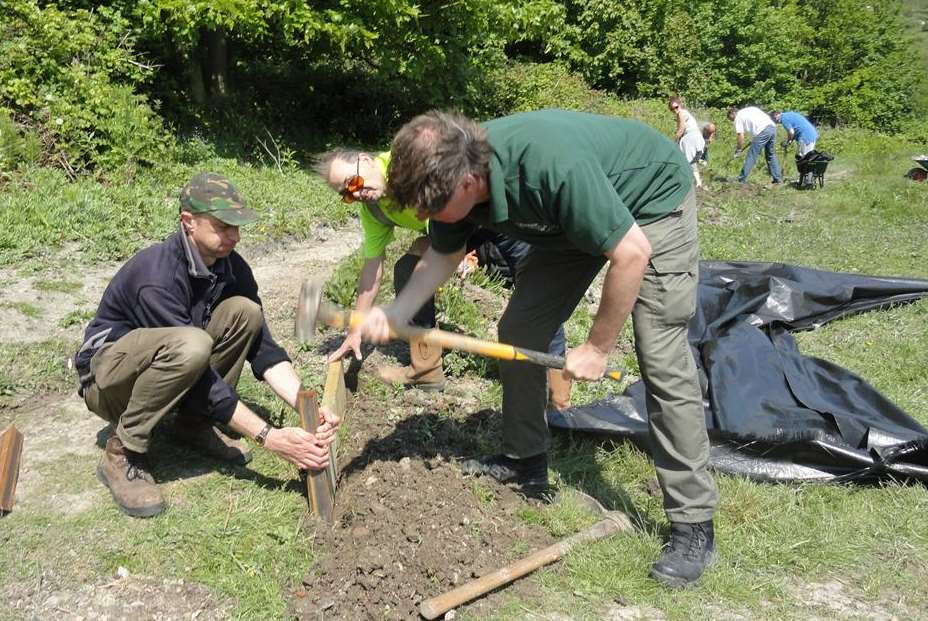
{"type": "Point", "coordinates": [677, 298]}
{"type": "Point", "coordinates": [674, 274]}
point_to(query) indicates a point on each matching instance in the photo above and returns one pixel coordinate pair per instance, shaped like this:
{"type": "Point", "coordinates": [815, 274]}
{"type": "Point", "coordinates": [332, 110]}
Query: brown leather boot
{"type": "Point", "coordinates": [558, 389]}
{"type": "Point", "coordinates": [200, 434]}
{"type": "Point", "coordinates": [124, 473]}
{"type": "Point", "coordinates": [424, 371]}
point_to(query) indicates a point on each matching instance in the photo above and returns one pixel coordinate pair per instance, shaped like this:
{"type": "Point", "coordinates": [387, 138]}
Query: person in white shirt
{"type": "Point", "coordinates": [763, 131]}
{"type": "Point", "coordinates": [688, 136]}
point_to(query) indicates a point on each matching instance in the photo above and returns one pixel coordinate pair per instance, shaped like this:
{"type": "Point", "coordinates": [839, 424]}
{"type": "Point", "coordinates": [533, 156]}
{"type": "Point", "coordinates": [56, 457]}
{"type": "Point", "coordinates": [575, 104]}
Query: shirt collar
{"type": "Point", "coordinates": [195, 265]}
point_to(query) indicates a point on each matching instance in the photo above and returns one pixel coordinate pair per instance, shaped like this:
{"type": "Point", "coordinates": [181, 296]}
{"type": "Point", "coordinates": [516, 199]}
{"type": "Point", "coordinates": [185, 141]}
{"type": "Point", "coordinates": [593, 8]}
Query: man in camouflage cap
{"type": "Point", "coordinates": [172, 332]}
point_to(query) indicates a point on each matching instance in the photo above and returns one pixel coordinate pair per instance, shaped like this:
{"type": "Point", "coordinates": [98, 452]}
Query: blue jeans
{"type": "Point", "coordinates": [765, 140]}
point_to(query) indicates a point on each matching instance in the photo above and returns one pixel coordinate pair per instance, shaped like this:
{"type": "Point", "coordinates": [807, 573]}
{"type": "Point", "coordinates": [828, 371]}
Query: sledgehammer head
{"type": "Point", "coordinates": [307, 309]}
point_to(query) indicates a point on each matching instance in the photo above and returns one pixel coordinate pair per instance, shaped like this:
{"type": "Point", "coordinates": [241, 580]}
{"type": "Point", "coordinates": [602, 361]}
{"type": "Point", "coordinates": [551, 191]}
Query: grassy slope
{"type": "Point", "coordinates": [772, 537]}
{"type": "Point", "coordinates": [44, 219]}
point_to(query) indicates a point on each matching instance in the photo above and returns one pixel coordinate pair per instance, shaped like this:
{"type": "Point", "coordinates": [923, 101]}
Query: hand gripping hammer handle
{"type": "Point", "coordinates": [346, 319]}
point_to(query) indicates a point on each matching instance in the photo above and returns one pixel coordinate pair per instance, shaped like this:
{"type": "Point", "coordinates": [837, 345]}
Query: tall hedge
{"type": "Point", "coordinates": [842, 61]}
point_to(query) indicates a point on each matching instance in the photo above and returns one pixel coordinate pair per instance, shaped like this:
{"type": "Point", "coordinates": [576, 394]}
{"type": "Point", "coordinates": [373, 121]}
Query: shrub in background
{"type": "Point", "coordinates": [72, 75]}
{"type": "Point", "coordinates": [18, 145]}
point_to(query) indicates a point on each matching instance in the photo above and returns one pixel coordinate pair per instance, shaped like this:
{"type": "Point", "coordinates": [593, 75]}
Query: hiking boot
{"type": "Point", "coordinates": [200, 434]}
{"type": "Point", "coordinates": [529, 475]}
{"type": "Point", "coordinates": [125, 474]}
{"type": "Point", "coordinates": [559, 386]}
{"type": "Point", "coordinates": [424, 370]}
{"type": "Point", "coordinates": [686, 556]}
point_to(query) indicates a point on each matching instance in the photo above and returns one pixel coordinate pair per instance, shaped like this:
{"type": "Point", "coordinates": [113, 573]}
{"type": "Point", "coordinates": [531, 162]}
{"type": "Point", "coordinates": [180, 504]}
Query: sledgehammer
{"type": "Point", "coordinates": [312, 309]}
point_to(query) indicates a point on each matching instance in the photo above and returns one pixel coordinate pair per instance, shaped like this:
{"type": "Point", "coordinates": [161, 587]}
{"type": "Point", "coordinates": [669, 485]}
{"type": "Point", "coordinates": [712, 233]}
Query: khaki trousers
{"type": "Point", "coordinates": [548, 287]}
{"type": "Point", "coordinates": [145, 374]}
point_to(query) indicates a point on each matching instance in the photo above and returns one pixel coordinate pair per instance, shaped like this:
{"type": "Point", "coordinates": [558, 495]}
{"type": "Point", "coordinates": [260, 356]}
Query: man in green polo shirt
{"type": "Point", "coordinates": [362, 177]}
{"type": "Point", "coordinates": [586, 191]}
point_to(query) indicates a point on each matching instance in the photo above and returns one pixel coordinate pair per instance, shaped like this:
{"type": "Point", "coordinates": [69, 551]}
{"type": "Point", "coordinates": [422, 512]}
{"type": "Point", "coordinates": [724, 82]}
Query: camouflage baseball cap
{"type": "Point", "coordinates": [214, 194]}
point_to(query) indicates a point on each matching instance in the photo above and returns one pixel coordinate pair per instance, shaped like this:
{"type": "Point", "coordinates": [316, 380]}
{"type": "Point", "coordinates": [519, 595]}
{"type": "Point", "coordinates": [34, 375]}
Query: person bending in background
{"type": "Point", "coordinates": [797, 128]}
{"type": "Point", "coordinates": [688, 136]}
{"type": "Point", "coordinates": [754, 122]}
{"type": "Point", "coordinates": [708, 136]}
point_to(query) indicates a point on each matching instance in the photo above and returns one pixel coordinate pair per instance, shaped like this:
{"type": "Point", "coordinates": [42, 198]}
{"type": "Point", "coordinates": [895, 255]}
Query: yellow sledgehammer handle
{"type": "Point", "coordinates": [345, 319]}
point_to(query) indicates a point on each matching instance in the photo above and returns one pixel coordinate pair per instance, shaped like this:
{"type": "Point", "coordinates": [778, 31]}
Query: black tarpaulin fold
{"type": "Point", "coordinates": [772, 413]}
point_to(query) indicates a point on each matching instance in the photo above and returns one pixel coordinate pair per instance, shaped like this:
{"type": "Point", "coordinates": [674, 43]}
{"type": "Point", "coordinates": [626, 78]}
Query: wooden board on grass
{"type": "Point", "coordinates": [320, 488]}
{"type": "Point", "coordinates": [11, 450]}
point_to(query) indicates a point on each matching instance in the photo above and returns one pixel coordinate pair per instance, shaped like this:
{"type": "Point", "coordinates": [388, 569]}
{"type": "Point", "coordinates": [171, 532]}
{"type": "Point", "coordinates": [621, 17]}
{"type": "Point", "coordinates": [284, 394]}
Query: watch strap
{"type": "Point", "coordinates": [261, 438]}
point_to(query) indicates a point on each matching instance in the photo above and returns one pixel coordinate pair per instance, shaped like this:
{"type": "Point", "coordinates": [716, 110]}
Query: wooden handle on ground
{"type": "Point", "coordinates": [437, 606]}
{"type": "Point", "coordinates": [11, 450]}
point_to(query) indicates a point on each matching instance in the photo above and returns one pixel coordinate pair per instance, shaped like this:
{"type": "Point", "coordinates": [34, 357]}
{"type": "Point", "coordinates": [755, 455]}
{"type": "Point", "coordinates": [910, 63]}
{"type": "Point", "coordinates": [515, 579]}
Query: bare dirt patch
{"type": "Point", "coordinates": [57, 303]}
{"type": "Point", "coordinates": [409, 525]}
{"type": "Point", "coordinates": [833, 599]}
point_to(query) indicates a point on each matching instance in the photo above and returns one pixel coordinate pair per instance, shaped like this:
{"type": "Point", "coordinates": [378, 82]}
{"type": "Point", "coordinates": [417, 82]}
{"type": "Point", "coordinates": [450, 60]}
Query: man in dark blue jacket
{"type": "Point", "coordinates": [173, 331]}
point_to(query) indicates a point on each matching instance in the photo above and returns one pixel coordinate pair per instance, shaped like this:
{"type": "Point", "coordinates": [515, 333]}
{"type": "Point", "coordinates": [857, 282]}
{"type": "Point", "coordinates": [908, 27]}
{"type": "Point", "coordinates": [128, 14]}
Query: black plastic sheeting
{"type": "Point", "coordinates": [772, 413]}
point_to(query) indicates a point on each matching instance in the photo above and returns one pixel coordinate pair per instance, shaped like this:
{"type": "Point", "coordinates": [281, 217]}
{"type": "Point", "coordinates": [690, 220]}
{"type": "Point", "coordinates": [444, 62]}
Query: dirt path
{"type": "Point", "coordinates": [49, 304]}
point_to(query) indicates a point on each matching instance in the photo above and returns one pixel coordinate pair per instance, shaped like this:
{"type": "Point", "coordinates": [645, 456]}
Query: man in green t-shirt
{"type": "Point", "coordinates": [360, 177]}
{"type": "Point", "coordinates": [586, 191]}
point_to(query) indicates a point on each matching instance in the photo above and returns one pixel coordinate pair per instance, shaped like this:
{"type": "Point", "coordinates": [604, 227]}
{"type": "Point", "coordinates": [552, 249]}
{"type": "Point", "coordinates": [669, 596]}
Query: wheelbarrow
{"type": "Point", "coordinates": [811, 168]}
{"type": "Point", "coordinates": [919, 174]}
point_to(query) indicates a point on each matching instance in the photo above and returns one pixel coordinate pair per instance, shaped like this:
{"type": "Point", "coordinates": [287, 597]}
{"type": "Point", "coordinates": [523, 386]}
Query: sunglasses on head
{"type": "Point", "coordinates": [353, 184]}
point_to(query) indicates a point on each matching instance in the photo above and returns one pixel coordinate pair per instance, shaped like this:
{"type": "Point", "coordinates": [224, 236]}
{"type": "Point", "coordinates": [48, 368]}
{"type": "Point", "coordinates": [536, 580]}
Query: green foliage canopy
{"type": "Point", "coordinates": [844, 61]}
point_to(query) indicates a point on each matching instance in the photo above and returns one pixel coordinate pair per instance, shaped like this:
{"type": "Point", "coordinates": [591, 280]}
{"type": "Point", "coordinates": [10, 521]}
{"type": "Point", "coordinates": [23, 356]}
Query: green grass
{"type": "Point", "coordinates": [47, 220]}
{"type": "Point", "coordinates": [35, 368]}
{"type": "Point", "coordinates": [29, 310]}
{"type": "Point", "coordinates": [76, 318]}
{"type": "Point", "coordinates": [60, 286]}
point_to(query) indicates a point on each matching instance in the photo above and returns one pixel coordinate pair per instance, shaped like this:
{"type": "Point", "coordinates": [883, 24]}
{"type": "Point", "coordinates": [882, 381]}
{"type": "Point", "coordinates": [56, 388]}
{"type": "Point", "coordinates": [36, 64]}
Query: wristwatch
{"type": "Point", "coordinates": [261, 438]}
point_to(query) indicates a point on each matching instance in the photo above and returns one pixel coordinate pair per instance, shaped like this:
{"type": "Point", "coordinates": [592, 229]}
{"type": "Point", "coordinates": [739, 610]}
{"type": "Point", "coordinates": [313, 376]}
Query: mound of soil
{"type": "Point", "coordinates": [409, 526]}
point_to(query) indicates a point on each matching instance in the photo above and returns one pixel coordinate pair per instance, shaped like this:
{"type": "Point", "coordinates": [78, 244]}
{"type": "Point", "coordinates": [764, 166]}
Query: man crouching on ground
{"type": "Point", "coordinates": [173, 331]}
{"type": "Point", "coordinates": [586, 191]}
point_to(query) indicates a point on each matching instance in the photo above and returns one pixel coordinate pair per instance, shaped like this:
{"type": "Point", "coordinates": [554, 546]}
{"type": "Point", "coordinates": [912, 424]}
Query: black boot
{"type": "Point", "coordinates": [529, 475]}
{"type": "Point", "coordinates": [686, 556]}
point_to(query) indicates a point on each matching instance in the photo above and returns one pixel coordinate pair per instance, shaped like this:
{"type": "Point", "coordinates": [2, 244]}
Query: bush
{"type": "Point", "coordinates": [840, 61]}
{"type": "Point", "coordinates": [73, 75]}
{"type": "Point", "coordinates": [18, 145]}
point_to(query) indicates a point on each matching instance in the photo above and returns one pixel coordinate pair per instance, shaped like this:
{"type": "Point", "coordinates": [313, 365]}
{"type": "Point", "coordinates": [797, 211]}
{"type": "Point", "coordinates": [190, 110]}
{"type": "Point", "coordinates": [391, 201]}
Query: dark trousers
{"type": "Point", "coordinates": [509, 252]}
{"type": "Point", "coordinates": [145, 374]}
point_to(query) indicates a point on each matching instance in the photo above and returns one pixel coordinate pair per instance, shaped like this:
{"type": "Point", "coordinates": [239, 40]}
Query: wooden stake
{"type": "Point", "coordinates": [335, 397]}
{"type": "Point", "coordinates": [11, 450]}
{"type": "Point", "coordinates": [320, 485]}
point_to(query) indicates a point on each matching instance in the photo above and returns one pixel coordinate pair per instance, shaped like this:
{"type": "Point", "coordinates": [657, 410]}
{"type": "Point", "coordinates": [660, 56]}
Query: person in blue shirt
{"type": "Point", "coordinates": [797, 128]}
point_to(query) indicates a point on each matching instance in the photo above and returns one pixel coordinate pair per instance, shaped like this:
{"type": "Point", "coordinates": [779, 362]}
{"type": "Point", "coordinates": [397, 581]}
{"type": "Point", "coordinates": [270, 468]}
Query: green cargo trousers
{"type": "Point", "coordinates": [550, 284]}
{"type": "Point", "coordinates": [146, 373]}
